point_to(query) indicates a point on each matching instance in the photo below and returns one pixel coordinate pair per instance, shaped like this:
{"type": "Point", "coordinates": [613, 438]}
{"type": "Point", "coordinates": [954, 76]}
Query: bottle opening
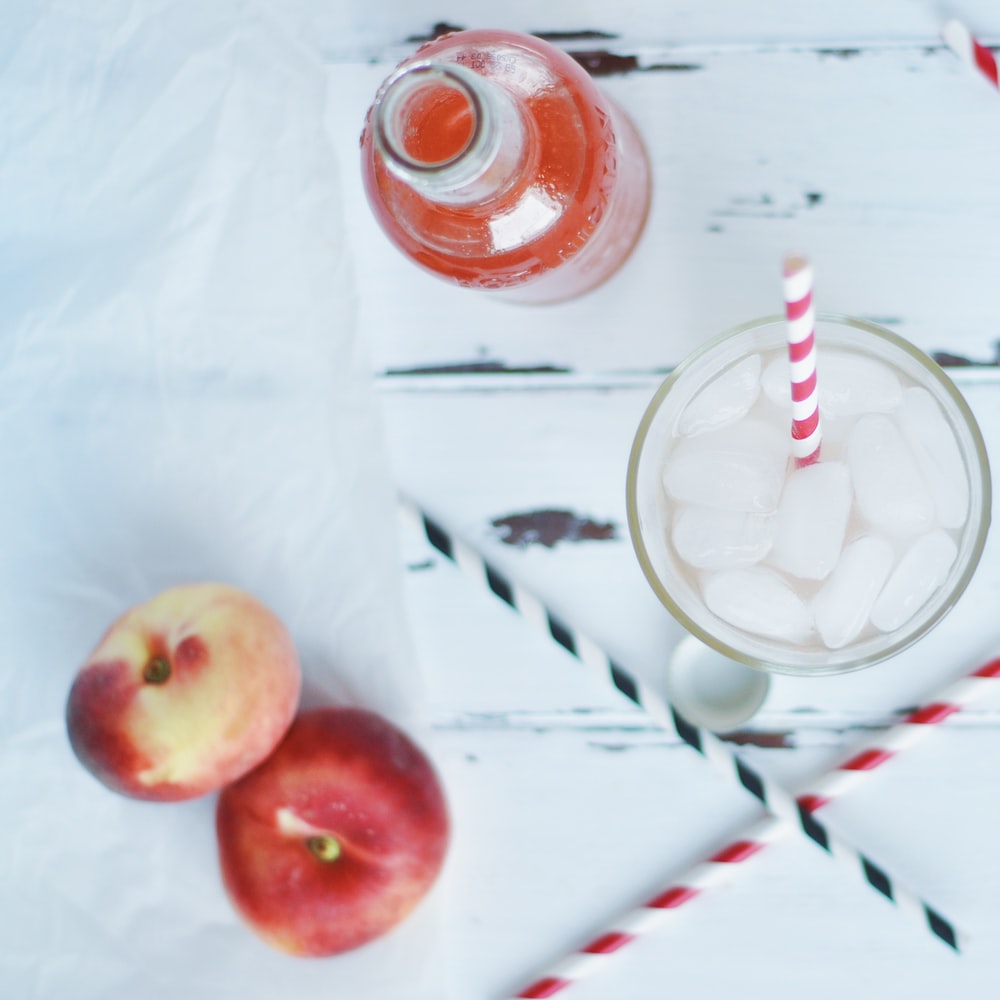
{"type": "Point", "coordinates": [439, 124]}
{"type": "Point", "coordinates": [428, 117]}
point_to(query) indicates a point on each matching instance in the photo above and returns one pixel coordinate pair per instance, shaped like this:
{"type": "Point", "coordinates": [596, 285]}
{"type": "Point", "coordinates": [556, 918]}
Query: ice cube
{"type": "Point", "coordinates": [848, 384]}
{"type": "Point", "coordinates": [726, 399]}
{"type": "Point", "coordinates": [758, 601]}
{"type": "Point", "coordinates": [938, 457]}
{"type": "Point", "coordinates": [739, 467]}
{"type": "Point", "coordinates": [891, 493]}
{"type": "Point", "coordinates": [842, 606]}
{"type": "Point", "coordinates": [920, 572]}
{"type": "Point", "coordinates": [720, 539]}
{"type": "Point", "coordinates": [811, 520]}
{"type": "Point", "coordinates": [776, 381]}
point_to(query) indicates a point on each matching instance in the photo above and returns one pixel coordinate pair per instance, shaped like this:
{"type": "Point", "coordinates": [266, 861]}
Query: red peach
{"type": "Point", "coordinates": [336, 837]}
{"type": "Point", "coordinates": [184, 693]}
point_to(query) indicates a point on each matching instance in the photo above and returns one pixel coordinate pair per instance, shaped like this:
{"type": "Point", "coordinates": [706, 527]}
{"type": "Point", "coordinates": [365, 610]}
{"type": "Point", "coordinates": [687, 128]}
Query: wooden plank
{"type": "Point", "coordinates": [555, 837]}
{"type": "Point", "coordinates": [353, 31]}
{"type": "Point", "coordinates": [880, 164]}
{"type": "Point", "coordinates": [477, 458]}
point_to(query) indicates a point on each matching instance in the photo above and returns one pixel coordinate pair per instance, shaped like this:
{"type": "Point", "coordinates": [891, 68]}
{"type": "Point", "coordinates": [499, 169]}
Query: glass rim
{"type": "Point", "coordinates": [979, 480]}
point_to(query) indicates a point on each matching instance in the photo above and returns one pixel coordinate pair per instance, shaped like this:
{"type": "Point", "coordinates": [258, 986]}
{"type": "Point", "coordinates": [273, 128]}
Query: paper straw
{"type": "Point", "coordinates": [801, 316]}
{"type": "Point", "coordinates": [958, 695]}
{"type": "Point", "coordinates": [778, 801]}
{"type": "Point", "coordinates": [690, 884]}
{"type": "Point", "coordinates": [959, 39]}
{"type": "Point", "coordinates": [594, 956]}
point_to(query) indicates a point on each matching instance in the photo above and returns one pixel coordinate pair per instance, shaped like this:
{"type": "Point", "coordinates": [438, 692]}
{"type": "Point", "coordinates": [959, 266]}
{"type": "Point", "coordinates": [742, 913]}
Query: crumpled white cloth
{"type": "Point", "coordinates": [182, 397]}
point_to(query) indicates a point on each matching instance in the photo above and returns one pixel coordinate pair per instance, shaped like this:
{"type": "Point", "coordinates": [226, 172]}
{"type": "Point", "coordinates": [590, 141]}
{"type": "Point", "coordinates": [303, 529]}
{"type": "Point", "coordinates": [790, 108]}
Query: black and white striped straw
{"type": "Point", "coordinates": [779, 802]}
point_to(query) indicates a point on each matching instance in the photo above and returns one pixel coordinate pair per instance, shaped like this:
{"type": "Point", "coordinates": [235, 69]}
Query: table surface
{"type": "Point", "coordinates": [847, 131]}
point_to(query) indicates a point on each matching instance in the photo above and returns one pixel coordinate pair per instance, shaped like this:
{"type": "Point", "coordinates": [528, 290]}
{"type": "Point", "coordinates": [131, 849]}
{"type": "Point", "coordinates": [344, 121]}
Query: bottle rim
{"type": "Point", "coordinates": [464, 165]}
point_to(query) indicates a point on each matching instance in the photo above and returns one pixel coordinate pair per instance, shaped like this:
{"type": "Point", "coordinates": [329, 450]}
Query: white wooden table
{"type": "Point", "coordinates": [847, 131]}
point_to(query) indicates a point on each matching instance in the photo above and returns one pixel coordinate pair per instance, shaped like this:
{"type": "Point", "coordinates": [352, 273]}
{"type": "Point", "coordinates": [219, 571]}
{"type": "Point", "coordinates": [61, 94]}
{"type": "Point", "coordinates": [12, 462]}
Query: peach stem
{"type": "Point", "coordinates": [324, 848]}
{"type": "Point", "coordinates": [157, 671]}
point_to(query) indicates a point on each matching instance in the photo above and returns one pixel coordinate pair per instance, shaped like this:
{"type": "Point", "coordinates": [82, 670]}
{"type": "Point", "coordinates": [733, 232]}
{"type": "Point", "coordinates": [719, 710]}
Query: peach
{"type": "Point", "coordinates": [336, 837]}
{"type": "Point", "coordinates": [184, 693]}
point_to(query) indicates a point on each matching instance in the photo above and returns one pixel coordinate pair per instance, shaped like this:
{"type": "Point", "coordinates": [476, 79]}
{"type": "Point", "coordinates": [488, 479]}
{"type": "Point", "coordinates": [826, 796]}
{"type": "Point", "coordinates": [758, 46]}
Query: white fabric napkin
{"type": "Point", "coordinates": [182, 397]}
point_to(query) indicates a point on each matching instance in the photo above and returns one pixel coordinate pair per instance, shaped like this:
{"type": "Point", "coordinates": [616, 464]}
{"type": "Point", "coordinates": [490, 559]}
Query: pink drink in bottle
{"type": "Point", "coordinates": [493, 161]}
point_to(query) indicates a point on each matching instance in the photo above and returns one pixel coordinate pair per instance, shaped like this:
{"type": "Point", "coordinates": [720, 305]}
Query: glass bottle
{"type": "Point", "coordinates": [492, 160]}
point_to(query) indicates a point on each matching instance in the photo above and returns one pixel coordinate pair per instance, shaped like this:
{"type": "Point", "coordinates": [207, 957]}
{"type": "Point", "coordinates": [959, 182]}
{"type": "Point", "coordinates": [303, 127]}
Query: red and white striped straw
{"type": "Point", "coordinates": [957, 696]}
{"type": "Point", "coordinates": [801, 316]}
{"type": "Point", "coordinates": [714, 870]}
{"type": "Point", "coordinates": [595, 956]}
{"type": "Point", "coordinates": [959, 39]}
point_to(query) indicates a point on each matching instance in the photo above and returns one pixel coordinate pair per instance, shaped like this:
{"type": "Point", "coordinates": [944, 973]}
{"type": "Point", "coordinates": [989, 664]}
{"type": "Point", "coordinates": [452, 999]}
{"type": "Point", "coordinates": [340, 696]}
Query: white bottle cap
{"type": "Point", "coordinates": [711, 690]}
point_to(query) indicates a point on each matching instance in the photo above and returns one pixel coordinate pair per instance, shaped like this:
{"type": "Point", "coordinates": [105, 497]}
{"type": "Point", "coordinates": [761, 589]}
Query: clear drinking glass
{"type": "Point", "coordinates": [953, 459]}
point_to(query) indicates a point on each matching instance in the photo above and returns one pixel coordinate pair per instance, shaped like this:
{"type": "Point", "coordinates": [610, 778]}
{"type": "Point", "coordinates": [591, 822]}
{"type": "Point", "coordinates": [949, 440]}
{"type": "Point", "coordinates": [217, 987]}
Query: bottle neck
{"type": "Point", "coordinates": [449, 133]}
